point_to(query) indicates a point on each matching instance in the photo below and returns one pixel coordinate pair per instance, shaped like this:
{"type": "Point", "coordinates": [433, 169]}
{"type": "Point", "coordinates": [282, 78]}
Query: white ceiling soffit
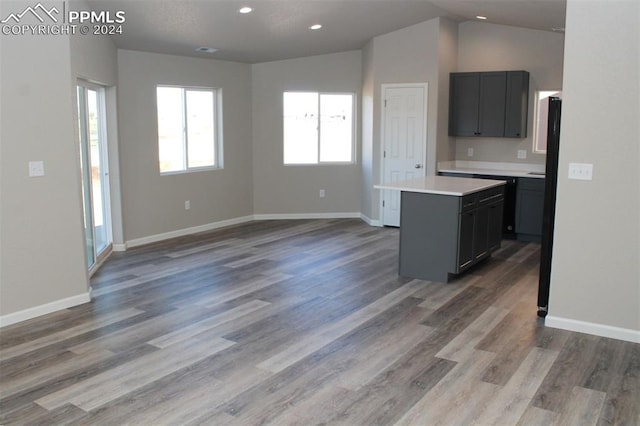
{"type": "Point", "coordinates": [279, 29]}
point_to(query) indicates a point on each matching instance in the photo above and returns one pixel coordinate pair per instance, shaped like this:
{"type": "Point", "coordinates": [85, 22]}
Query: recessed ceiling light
{"type": "Point", "coordinates": [205, 49]}
{"type": "Point", "coordinates": [245, 9]}
{"type": "Point", "coordinates": [481, 17]}
{"type": "Point", "coordinates": [315, 27]}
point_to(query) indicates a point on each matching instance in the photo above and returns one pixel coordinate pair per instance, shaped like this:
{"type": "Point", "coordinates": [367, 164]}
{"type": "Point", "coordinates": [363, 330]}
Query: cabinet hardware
{"type": "Point", "coordinates": [491, 198]}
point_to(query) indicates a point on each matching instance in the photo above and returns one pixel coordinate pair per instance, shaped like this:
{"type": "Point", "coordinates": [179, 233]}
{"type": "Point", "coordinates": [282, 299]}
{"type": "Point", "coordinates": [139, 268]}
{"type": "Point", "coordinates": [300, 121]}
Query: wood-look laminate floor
{"type": "Point", "coordinates": [307, 322]}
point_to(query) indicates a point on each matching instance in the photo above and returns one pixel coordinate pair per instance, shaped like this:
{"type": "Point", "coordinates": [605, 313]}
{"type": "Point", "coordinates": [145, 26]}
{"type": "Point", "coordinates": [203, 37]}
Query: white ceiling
{"type": "Point", "coordinates": [279, 29]}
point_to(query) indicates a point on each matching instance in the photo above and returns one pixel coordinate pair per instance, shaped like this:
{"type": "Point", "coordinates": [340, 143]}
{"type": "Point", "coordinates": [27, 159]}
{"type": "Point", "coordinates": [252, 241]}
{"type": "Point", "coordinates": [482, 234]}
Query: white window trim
{"type": "Point", "coordinates": [353, 130]}
{"type": "Point", "coordinates": [536, 119]}
{"type": "Point", "coordinates": [218, 122]}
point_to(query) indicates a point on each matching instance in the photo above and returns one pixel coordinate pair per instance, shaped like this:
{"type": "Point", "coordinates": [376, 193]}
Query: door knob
{"type": "Point", "coordinates": [418, 166]}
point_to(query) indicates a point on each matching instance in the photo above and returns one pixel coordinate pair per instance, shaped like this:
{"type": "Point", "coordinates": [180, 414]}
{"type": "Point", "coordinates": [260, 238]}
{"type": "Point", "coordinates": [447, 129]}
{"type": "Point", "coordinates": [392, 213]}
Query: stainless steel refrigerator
{"type": "Point", "coordinates": [549, 209]}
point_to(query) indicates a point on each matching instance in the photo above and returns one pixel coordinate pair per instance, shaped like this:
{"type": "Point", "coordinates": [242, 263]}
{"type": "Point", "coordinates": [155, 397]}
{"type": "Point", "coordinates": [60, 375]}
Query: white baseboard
{"type": "Point", "coordinates": [186, 231]}
{"type": "Point", "coordinates": [602, 330]}
{"type": "Point", "coordinates": [119, 247]}
{"type": "Point", "coordinates": [47, 308]}
{"type": "Point", "coordinates": [370, 221]}
{"type": "Point", "coordinates": [215, 225]}
{"type": "Point", "coordinates": [289, 216]}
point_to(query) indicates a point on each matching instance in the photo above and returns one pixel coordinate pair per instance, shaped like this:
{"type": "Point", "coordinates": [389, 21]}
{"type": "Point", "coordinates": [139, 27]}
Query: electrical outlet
{"type": "Point", "coordinates": [36, 168]}
{"type": "Point", "coordinates": [522, 154]}
{"type": "Point", "coordinates": [469, 152]}
{"type": "Point", "coordinates": [187, 205]}
{"type": "Point", "coordinates": [581, 171]}
{"type": "Point", "coordinates": [322, 193]}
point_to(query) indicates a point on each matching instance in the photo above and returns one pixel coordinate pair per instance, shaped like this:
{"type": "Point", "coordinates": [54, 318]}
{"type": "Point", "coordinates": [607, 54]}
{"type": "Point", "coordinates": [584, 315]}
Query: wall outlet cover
{"type": "Point", "coordinates": [581, 171]}
{"type": "Point", "coordinates": [36, 168]}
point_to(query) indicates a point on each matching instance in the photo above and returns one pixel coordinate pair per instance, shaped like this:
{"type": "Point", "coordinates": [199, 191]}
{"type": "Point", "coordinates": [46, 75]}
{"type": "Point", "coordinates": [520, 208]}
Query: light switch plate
{"type": "Point", "coordinates": [36, 168]}
{"type": "Point", "coordinates": [581, 171]}
{"type": "Point", "coordinates": [469, 152]}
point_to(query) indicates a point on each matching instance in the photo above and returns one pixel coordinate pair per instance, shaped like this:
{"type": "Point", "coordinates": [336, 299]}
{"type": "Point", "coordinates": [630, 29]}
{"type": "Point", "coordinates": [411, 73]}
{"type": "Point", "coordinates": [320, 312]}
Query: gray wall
{"type": "Point", "coordinates": [394, 58]}
{"type": "Point", "coordinates": [42, 246]}
{"type": "Point", "coordinates": [488, 47]}
{"type": "Point", "coordinates": [94, 59]}
{"type": "Point", "coordinates": [409, 55]}
{"type": "Point", "coordinates": [280, 189]}
{"type": "Point", "coordinates": [447, 63]}
{"type": "Point", "coordinates": [154, 204]}
{"type": "Point", "coordinates": [596, 265]}
{"type": "Point", "coordinates": [370, 198]}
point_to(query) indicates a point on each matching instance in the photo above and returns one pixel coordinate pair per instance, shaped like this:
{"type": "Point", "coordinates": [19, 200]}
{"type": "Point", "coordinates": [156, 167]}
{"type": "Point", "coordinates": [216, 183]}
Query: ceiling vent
{"type": "Point", "coordinates": [205, 49]}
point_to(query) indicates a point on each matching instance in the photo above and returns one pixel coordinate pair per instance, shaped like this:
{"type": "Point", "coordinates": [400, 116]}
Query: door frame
{"type": "Point", "coordinates": [383, 88]}
{"type": "Point", "coordinates": [106, 196]}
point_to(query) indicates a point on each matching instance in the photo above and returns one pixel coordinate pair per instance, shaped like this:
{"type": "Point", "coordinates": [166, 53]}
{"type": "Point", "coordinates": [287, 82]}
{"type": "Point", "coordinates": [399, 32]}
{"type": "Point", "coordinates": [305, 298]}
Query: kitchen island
{"type": "Point", "coordinates": [447, 224]}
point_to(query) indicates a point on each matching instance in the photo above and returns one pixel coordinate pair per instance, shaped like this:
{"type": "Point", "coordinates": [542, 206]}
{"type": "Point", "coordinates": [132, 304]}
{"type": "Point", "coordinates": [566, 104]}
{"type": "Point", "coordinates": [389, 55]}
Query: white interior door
{"type": "Point", "coordinates": [404, 140]}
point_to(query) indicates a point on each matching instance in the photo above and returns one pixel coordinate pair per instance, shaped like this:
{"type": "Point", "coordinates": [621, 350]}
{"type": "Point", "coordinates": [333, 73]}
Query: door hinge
{"type": "Point", "coordinates": [385, 103]}
{"type": "Point", "coordinates": [384, 154]}
{"type": "Point", "coordinates": [382, 203]}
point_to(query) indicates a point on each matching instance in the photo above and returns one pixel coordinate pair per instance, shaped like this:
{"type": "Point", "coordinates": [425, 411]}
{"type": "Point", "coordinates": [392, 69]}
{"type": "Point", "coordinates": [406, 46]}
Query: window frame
{"type": "Point", "coordinates": [217, 130]}
{"type": "Point", "coordinates": [535, 145]}
{"type": "Point", "coordinates": [353, 135]}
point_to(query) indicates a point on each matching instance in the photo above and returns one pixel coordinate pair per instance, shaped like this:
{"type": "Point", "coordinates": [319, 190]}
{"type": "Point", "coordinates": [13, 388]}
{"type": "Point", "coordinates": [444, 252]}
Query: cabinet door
{"type": "Point", "coordinates": [494, 226]}
{"type": "Point", "coordinates": [529, 207]}
{"type": "Point", "coordinates": [481, 233]}
{"type": "Point", "coordinates": [517, 109]}
{"type": "Point", "coordinates": [493, 89]}
{"type": "Point", "coordinates": [464, 98]}
{"type": "Point", "coordinates": [465, 239]}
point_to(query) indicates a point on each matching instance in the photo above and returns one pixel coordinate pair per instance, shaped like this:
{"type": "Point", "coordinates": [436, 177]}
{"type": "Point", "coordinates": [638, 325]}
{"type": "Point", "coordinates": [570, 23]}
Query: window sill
{"type": "Point", "coordinates": [345, 163]}
{"type": "Point", "coordinates": [193, 170]}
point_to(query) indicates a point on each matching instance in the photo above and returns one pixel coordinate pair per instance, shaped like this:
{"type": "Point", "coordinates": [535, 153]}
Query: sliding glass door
{"type": "Point", "coordinates": [95, 171]}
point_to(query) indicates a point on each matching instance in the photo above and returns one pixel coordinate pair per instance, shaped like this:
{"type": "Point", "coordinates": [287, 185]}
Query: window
{"type": "Point", "coordinates": [189, 129]}
{"type": "Point", "coordinates": [318, 127]}
{"type": "Point", "coordinates": [541, 116]}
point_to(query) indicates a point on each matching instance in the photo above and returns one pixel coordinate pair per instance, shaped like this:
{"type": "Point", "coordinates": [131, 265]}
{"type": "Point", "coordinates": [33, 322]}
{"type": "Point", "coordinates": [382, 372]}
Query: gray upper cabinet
{"type": "Point", "coordinates": [493, 89]}
{"type": "Point", "coordinates": [464, 103]}
{"type": "Point", "coordinates": [517, 104]}
{"type": "Point", "coordinates": [489, 104]}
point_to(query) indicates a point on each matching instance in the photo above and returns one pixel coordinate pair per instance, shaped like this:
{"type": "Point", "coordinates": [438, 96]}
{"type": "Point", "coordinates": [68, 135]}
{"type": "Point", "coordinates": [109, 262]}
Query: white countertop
{"type": "Point", "coordinates": [535, 171]}
{"type": "Point", "coordinates": [442, 185]}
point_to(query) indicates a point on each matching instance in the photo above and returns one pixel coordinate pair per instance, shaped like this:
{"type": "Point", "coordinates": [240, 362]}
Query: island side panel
{"type": "Point", "coordinates": [428, 235]}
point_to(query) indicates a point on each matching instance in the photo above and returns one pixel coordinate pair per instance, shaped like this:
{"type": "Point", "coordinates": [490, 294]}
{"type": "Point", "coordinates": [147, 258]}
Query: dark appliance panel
{"type": "Point", "coordinates": [549, 209]}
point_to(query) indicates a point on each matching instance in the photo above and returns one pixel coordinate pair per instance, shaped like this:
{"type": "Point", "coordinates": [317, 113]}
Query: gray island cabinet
{"type": "Point", "coordinates": [447, 224]}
